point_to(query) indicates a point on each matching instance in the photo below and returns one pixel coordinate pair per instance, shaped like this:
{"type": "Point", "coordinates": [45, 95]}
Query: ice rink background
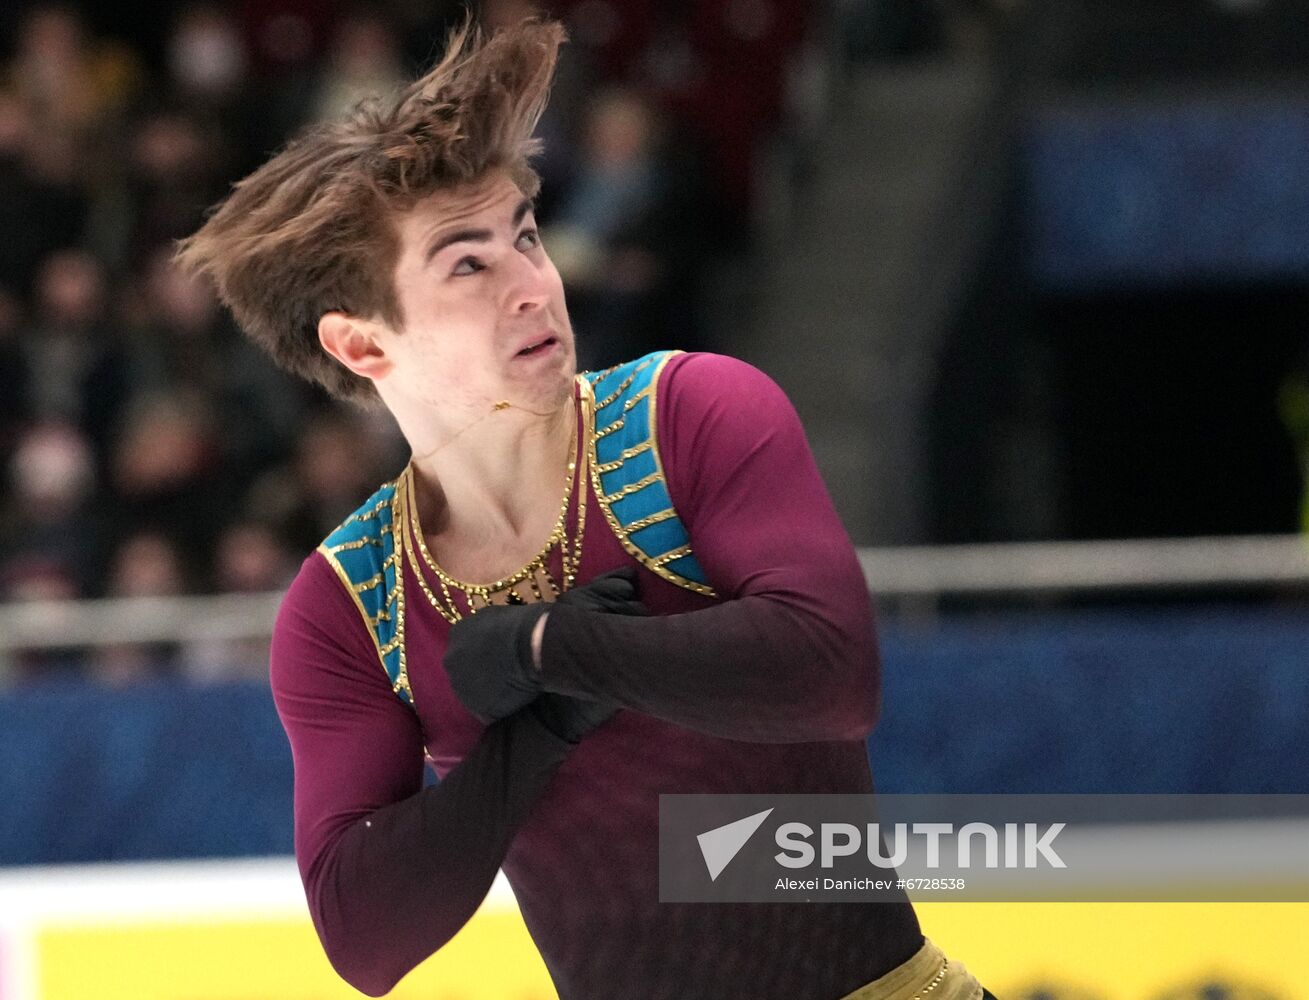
{"type": "Point", "coordinates": [1032, 273]}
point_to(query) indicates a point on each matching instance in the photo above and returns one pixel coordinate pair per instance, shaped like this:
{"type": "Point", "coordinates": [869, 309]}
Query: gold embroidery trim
{"type": "Point", "coordinates": [380, 577]}
{"type": "Point", "coordinates": [673, 555]}
{"type": "Point", "coordinates": [359, 543]}
{"type": "Point", "coordinates": [451, 612]}
{"type": "Point", "coordinates": [367, 515]}
{"type": "Point", "coordinates": [401, 684]}
{"type": "Point", "coordinates": [617, 425]}
{"type": "Point", "coordinates": [620, 532]}
{"type": "Point", "coordinates": [603, 375]}
{"type": "Point", "coordinates": [647, 392]}
{"type": "Point", "coordinates": [927, 975]}
{"type": "Point", "coordinates": [945, 967]}
{"type": "Point", "coordinates": [624, 455]}
{"type": "Point", "coordinates": [631, 488]}
{"type": "Point", "coordinates": [622, 386]}
{"type": "Point", "coordinates": [644, 522]}
{"type": "Point", "coordinates": [654, 417]}
{"type": "Point", "coordinates": [414, 543]}
{"type": "Point", "coordinates": [396, 597]}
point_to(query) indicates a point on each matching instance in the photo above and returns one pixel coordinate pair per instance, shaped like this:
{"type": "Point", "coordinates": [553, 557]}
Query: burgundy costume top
{"type": "Point", "coordinates": [772, 687]}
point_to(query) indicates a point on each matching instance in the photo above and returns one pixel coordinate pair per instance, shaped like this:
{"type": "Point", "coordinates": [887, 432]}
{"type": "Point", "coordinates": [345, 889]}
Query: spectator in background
{"type": "Point", "coordinates": [211, 75]}
{"type": "Point", "coordinates": [719, 66]}
{"type": "Point", "coordinates": [286, 36]}
{"type": "Point", "coordinates": [14, 404]}
{"type": "Point", "coordinates": [74, 364]}
{"type": "Point", "coordinates": [42, 206]}
{"type": "Point", "coordinates": [207, 60]}
{"type": "Point", "coordinates": [335, 463]}
{"type": "Point", "coordinates": [250, 559]}
{"type": "Point", "coordinates": [71, 84]}
{"type": "Point", "coordinates": [576, 82]}
{"type": "Point", "coordinates": [364, 63]}
{"type": "Point", "coordinates": [50, 535]}
{"type": "Point", "coordinates": [604, 236]}
{"type": "Point", "coordinates": [177, 330]}
{"type": "Point", "coordinates": [37, 578]}
{"type": "Point", "coordinates": [50, 519]}
{"type": "Point", "coordinates": [147, 564]}
{"type": "Point", "coordinates": [167, 474]}
{"type": "Point", "coordinates": [184, 341]}
{"type": "Point", "coordinates": [287, 40]}
{"type": "Point", "coordinates": [175, 165]}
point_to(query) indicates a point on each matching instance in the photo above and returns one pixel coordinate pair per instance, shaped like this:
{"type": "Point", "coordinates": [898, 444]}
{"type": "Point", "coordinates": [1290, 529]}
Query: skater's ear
{"type": "Point", "coordinates": [356, 343]}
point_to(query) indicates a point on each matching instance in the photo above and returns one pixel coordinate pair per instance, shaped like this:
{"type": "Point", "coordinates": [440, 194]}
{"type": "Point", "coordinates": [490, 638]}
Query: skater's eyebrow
{"type": "Point", "coordinates": [444, 240]}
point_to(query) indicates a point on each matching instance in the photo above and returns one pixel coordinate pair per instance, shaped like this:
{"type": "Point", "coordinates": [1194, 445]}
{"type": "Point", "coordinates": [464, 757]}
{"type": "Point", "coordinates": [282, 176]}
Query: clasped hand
{"type": "Point", "coordinates": [491, 667]}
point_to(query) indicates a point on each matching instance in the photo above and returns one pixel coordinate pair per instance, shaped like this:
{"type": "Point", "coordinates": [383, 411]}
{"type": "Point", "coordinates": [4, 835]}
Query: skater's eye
{"type": "Point", "coordinates": [529, 239]}
{"type": "Point", "coordinates": [468, 265]}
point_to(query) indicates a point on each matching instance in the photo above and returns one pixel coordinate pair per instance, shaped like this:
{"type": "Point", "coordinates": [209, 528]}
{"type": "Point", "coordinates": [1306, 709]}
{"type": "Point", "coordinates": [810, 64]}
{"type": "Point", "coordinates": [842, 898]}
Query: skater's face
{"type": "Point", "coordinates": [483, 310]}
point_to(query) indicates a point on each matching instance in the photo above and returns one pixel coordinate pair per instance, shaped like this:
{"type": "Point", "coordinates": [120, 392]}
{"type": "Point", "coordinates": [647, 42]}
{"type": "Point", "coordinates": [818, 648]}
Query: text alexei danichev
{"type": "Point", "coordinates": [834, 883]}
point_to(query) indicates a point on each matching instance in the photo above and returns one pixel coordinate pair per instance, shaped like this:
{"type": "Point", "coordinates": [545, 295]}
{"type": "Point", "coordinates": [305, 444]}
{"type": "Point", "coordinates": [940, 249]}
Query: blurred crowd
{"type": "Point", "coordinates": [146, 448]}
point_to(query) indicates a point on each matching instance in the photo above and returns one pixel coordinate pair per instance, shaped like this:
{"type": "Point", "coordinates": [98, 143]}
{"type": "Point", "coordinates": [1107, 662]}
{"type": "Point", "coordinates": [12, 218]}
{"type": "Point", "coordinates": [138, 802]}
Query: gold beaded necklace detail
{"type": "Point", "coordinates": [535, 576]}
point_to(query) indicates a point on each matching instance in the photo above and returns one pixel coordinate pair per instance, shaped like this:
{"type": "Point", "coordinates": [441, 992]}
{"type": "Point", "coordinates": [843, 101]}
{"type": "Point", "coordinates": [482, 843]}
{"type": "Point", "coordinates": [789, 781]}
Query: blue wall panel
{"type": "Point", "coordinates": [1068, 702]}
{"type": "Point", "coordinates": [160, 771]}
{"type": "Point", "coordinates": [1152, 192]}
{"type": "Point", "coordinates": [1197, 701]}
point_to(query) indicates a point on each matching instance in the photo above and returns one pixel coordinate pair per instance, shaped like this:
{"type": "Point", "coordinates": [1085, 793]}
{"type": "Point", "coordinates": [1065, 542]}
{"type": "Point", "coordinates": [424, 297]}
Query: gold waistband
{"type": "Point", "coordinates": [929, 975]}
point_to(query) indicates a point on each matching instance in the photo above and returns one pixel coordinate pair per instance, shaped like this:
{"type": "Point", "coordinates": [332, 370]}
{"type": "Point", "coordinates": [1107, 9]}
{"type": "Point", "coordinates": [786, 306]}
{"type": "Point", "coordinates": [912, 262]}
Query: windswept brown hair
{"type": "Point", "coordinates": [312, 230]}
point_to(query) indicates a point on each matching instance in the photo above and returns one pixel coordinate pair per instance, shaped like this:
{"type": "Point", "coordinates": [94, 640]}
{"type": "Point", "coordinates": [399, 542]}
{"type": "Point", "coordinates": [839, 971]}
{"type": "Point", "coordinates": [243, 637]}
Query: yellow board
{"type": "Point", "coordinates": [274, 960]}
{"type": "Point", "coordinates": [1112, 951]}
{"type": "Point", "coordinates": [1125, 951]}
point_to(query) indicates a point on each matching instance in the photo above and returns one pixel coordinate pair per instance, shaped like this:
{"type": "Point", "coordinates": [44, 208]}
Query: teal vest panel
{"type": "Point", "coordinates": [363, 553]}
{"type": "Point", "coordinates": [628, 476]}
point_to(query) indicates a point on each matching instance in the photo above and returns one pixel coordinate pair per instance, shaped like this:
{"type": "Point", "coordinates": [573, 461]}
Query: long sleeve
{"type": "Point", "coordinates": [789, 654]}
{"type": "Point", "coordinates": [391, 869]}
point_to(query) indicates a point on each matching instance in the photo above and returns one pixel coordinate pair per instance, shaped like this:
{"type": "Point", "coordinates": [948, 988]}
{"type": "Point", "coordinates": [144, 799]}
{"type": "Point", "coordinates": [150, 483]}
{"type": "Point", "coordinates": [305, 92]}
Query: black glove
{"type": "Point", "coordinates": [613, 592]}
{"type": "Point", "coordinates": [489, 659]}
{"type": "Point", "coordinates": [569, 718]}
{"type": "Point", "coordinates": [489, 655]}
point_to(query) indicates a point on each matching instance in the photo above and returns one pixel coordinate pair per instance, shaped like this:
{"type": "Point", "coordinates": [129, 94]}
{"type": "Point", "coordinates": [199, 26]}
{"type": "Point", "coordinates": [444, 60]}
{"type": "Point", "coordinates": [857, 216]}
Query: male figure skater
{"type": "Point", "coordinates": [582, 592]}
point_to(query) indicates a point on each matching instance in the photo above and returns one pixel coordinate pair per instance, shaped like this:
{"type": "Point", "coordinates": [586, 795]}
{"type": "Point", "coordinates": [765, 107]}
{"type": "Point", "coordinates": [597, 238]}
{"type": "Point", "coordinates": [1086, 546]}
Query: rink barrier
{"type": "Point", "coordinates": [909, 577]}
{"type": "Point", "coordinates": [238, 930]}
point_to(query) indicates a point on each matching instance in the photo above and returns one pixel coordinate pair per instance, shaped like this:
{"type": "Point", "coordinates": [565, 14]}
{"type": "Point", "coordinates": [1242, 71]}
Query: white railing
{"type": "Point", "coordinates": [1071, 567]}
{"type": "Point", "coordinates": [63, 624]}
{"type": "Point", "coordinates": [913, 576]}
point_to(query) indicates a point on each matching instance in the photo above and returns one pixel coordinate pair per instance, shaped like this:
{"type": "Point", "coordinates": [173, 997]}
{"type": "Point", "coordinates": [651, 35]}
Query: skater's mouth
{"type": "Point", "coordinates": [538, 346]}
